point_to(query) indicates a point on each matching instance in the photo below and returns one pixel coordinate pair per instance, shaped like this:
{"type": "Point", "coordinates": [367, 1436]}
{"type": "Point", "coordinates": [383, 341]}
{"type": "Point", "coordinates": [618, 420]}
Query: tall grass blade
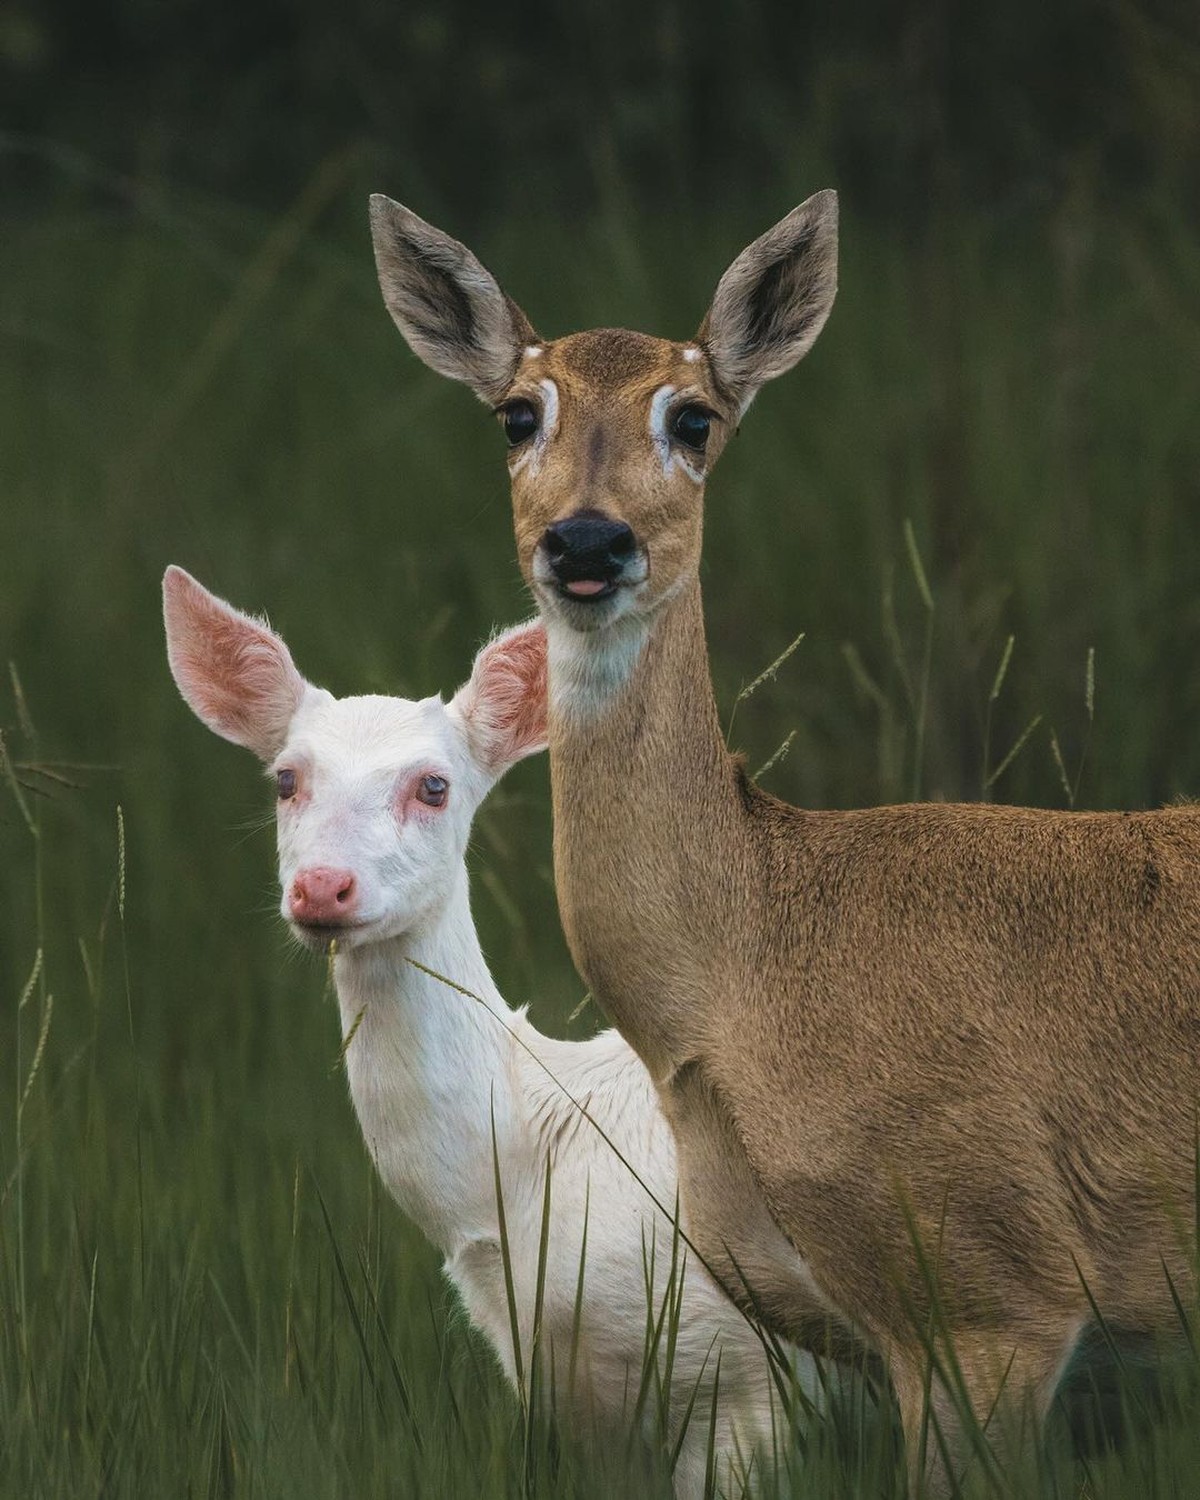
{"type": "Point", "coordinates": [766, 675]}
{"type": "Point", "coordinates": [510, 1292]}
{"type": "Point", "coordinates": [577, 1306]}
{"type": "Point", "coordinates": [1056, 751]}
{"type": "Point", "coordinates": [993, 696]}
{"type": "Point", "coordinates": [360, 1332]}
{"type": "Point", "coordinates": [399, 1379]}
{"type": "Point", "coordinates": [921, 713]}
{"type": "Point", "coordinates": [9, 769]}
{"type": "Point", "coordinates": [535, 1340]}
{"type": "Point", "coordinates": [774, 759]}
{"type": "Point", "coordinates": [1018, 746]}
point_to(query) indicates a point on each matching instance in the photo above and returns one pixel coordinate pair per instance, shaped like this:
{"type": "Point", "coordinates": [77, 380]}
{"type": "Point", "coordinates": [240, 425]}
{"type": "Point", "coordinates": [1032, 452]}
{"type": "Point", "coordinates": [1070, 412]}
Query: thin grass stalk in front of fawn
{"type": "Point", "coordinates": [710, 1458]}
{"type": "Point", "coordinates": [656, 1374]}
{"type": "Point", "coordinates": [535, 1339]}
{"type": "Point", "coordinates": [577, 1308]}
{"type": "Point", "coordinates": [510, 1292]}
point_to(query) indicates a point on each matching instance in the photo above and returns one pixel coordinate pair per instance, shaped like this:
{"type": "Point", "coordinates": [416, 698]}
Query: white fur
{"type": "Point", "coordinates": [588, 668]}
{"type": "Point", "coordinates": [531, 454]}
{"type": "Point", "coordinates": [441, 1080]}
{"type": "Point", "coordinates": [669, 453]}
{"type": "Point", "coordinates": [430, 1069]}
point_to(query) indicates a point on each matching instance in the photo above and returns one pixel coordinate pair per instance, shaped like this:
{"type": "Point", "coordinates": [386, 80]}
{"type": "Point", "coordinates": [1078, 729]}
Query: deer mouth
{"type": "Point", "coordinates": [588, 590]}
{"type": "Point", "coordinates": [319, 936]}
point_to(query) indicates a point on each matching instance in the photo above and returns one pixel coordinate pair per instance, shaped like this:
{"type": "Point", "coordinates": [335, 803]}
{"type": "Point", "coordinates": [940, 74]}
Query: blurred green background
{"type": "Point", "coordinates": [996, 437]}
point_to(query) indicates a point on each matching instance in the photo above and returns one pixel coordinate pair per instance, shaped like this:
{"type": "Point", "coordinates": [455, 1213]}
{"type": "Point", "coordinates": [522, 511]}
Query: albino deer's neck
{"type": "Point", "coordinates": [429, 1069]}
{"type": "Point", "coordinates": [650, 829]}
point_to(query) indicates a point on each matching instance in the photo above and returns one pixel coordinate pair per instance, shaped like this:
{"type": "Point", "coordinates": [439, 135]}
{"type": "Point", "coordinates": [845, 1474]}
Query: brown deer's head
{"type": "Point", "coordinates": [611, 434]}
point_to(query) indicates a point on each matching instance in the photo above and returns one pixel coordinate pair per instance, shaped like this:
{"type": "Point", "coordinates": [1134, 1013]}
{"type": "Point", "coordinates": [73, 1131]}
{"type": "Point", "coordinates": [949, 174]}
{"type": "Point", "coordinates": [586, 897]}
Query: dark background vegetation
{"type": "Point", "coordinates": [195, 366]}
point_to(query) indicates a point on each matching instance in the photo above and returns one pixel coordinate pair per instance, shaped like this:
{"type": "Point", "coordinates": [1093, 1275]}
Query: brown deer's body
{"type": "Point", "coordinates": [985, 1018]}
{"type": "Point", "coordinates": [901, 1048]}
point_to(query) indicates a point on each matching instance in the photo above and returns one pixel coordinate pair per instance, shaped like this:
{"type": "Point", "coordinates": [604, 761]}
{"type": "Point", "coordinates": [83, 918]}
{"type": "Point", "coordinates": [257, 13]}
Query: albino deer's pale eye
{"type": "Point", "coordinates": [690, 425]}
{"type": "Point", "coordinates": [433, 791]}
{"type": "Point", "coordinates": [520, 422]}
{"type": "Point", "coordinates": [286, 782]}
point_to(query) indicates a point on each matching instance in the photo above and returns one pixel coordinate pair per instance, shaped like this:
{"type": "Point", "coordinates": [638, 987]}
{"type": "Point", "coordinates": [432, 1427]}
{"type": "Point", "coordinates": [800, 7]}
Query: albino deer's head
{"type": "Point", "coordinates": [375, 795]}
{"type": "Point", "coordinates": [611, 434]}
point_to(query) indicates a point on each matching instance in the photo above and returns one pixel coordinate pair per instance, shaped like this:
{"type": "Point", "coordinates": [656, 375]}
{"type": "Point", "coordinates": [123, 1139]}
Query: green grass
{"type": "Point", "coordinates": [181, 381]}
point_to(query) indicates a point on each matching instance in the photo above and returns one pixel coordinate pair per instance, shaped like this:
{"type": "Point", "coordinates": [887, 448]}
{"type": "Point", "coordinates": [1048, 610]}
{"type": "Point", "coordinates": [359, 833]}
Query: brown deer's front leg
{"type": "Point", "coordinates": [983, 1403]}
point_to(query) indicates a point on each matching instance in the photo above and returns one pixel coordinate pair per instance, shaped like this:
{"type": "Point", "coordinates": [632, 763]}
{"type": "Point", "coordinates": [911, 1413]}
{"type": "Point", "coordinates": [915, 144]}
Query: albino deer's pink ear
{"type": "Point", "coordinates": [503, 706]}
{"type": "Point", "coordinates": [236, 675]}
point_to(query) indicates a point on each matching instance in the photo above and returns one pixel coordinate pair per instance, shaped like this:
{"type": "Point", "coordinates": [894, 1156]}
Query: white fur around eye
{"type": "Point", "coordinates": [669, 455]}
{"type": "Point", "coordinates": [531, 455]}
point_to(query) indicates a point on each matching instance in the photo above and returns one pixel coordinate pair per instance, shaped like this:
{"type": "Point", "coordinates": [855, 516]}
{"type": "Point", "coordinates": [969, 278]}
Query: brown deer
{"type": "Point", "coordinates": [933, 1070]}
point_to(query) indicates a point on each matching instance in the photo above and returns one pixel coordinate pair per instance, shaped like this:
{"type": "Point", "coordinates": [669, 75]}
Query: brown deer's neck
{"type": "Point", "coordinates": [650, 829]}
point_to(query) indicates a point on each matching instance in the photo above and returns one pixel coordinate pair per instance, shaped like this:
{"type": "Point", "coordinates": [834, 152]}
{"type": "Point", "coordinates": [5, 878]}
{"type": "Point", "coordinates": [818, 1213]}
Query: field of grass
{"type": "Point", "coordinates": [202, 1289]}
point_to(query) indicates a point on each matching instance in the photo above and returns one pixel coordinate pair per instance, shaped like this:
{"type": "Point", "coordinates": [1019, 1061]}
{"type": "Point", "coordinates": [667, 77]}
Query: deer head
{"type": "Point", "coordinates": [611, 434]}
{"type": "Point", "coordinates": [374, 795]}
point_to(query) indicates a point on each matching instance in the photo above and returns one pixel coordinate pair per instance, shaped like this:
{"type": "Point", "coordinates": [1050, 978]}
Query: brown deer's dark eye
{"type": "Point", "coordinates": [690, 425]}
{"type": "Point", "coordinates": [286, 781]}
{"type": "Point", "coordinates": [520, 422]}
{"type": "Point", "coordinates": [433, 791]}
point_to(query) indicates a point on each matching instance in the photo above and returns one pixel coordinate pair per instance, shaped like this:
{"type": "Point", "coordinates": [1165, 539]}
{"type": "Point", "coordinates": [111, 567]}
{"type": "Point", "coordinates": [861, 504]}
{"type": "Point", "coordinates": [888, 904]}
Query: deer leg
{"type": "Point", "coordinates": [990, 1400]}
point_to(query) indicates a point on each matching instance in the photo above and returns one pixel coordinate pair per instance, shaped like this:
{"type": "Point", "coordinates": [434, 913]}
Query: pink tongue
{"type": "Point", "coordinates": [586, 587]}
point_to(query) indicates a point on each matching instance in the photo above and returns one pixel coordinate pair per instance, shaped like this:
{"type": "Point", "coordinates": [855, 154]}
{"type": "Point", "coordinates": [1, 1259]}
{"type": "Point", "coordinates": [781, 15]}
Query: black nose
{"type": "Point", "coordinates": [588, 545]}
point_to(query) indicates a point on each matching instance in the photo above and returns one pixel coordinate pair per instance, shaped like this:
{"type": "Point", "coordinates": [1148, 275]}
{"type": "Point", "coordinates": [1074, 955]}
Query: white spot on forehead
{"type": "Point", "coordinates": [533, 351]}
{"type": "Point", "coordinates": [691, 354]}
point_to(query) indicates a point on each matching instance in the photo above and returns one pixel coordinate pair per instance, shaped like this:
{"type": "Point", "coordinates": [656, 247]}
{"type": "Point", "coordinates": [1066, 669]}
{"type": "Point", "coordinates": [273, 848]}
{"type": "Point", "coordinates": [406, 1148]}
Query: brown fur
{"type": "Point", "coordinates": [973, 1030]}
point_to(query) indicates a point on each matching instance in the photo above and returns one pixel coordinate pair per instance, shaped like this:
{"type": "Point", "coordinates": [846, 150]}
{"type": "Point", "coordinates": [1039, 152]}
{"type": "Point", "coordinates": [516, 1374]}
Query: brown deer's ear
{"type": "Point", "coordinates": [447, 305]}
{"type": "Point", "coordinates": [772, 302]}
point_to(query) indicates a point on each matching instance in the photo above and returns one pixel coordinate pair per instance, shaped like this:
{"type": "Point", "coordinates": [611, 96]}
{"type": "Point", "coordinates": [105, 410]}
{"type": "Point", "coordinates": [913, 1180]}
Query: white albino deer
{"type": "Point", "coordinates": [974, 1029]}
{"type": "Point", "coordinates": [376, 796]}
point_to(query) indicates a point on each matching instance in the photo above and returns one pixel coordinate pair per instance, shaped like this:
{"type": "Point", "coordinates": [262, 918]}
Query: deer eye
{"type": "Point", "coordinates": [690, 425]}
{"type": "Point", "coordinates": [433, 791]}
{"type": "Point", "coordinates": [520, 422]}
{"type": "Point", "coordinates": [286, 782]}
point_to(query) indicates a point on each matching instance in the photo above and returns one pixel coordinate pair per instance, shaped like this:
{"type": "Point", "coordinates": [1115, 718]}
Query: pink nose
{"type": "Point", "coordinates": [323, 896]}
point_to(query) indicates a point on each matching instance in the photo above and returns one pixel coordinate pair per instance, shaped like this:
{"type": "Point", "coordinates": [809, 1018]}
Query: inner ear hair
{"type": "Point", "coordinates": [773, 301]}
{"type": "Point", "coordinates": [449, 307]}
